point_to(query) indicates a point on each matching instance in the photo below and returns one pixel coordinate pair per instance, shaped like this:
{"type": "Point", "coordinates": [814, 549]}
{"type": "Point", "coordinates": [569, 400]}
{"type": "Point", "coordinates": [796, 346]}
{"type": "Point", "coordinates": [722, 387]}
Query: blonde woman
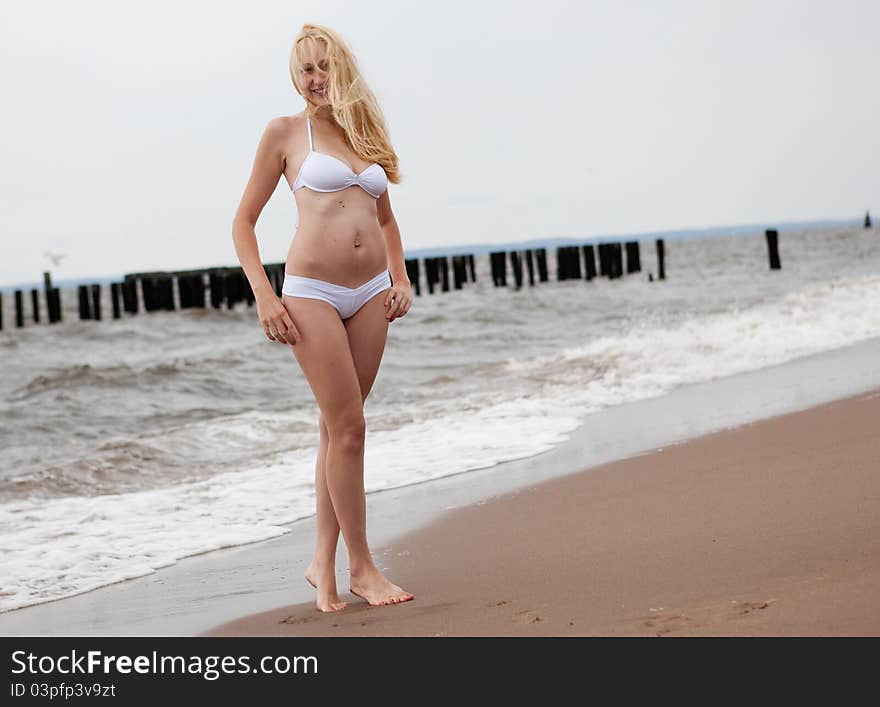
{"type": "Point", "coordinates": [345, 281]}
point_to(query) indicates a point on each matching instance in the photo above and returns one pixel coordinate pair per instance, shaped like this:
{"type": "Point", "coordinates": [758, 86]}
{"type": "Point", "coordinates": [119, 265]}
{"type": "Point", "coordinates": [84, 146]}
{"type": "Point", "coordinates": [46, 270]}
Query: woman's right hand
{"type": "Point", "coordinates": [276, 321]}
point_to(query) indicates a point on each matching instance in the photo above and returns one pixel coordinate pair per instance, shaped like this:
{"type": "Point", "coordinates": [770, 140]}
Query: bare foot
{"type": "Point", "coordinates": [378, 591]}
{"type": "Point", "coordinates": [325, 583]}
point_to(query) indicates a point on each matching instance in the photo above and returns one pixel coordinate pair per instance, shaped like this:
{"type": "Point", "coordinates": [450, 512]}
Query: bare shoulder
{"type": "Point", "coordinates": [286, 130]}
{"type": "Point", "coordinates": [282, 135]}
{"type": "Point", "coordinates": [281, 127]}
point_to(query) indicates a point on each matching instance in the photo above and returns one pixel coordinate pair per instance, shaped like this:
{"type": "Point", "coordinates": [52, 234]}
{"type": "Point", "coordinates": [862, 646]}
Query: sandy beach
{"type": "Point", "coordinates": [768, 528]}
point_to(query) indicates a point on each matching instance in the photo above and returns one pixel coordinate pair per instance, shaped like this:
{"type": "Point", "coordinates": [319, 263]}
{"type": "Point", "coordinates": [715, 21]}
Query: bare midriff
{"type": "Point", "coordinates": [338, 238]}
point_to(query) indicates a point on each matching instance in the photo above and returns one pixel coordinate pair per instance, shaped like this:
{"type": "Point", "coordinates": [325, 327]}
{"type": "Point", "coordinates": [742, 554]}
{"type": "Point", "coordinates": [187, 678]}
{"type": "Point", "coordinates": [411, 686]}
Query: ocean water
{"type": "Point", "coordinates": [129, 444]}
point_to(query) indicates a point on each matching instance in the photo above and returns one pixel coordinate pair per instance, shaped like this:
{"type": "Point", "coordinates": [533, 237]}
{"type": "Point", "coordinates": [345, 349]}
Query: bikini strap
{"type": "Point", "coordinates": [309, 126]}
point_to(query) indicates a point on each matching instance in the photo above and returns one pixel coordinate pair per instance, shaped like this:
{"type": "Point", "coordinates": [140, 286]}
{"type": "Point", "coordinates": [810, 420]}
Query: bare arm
{"type": "Point", "coordinates": [401, 291]}
{"type": "Point", "coordinates": [393, 244]}
{"type": "Point", "coordinates": [267, 170]}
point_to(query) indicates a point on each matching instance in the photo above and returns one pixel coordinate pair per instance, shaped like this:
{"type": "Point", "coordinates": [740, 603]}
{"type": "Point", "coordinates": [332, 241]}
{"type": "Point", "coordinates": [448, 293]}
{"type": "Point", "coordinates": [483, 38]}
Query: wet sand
{"type": "Point", "coordinates": [769, 528]}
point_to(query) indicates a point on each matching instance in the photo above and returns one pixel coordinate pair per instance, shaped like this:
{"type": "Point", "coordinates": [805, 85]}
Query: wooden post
{"type": "Point", "coordinates": [661, 255]}
{"type": "Point", "coordinates": [458, 272]}
{"type": "Point", "coordinates": [184, 290]}
{"type": "Point", "coordinates": [53, 302]}
{"type": "Point", "coordinates": [499, 268]}
{"type": "Point", "coordinates": [129, 295]}
{"type": "Point", "coordinates": [773, 248]}
{"type": "Point", "coordinates": [159, 293]}
{"type": "Point", "coordinates": [216, 285]}
{"type": "Point", "coordinates": [114, 298]}
{"type": "Point", "coordinates": [867, 219]}
{"type": "Point", "coordinates": [531, 266]}
{"type": "Point", "coordinates": [197, 291]}
{"type": "Point", "coordinates": [430, 274]}
{"type": "Point", "coordinates": [1, 311]}
{"type": "Point", "coordinates": [96, 302]}
{"type": "Point", "coordinates": [562, 268]}
{"type": "Point", "coordinates": [444, 269]}
{"type": "Point", "coordinates": [572, 262]}
{"type": "Point", "coordinates": [633, 261]}
{"type": "Point", "coordinates": [541, 255]}
{"type": "Point", "coordinates": [19, 309]}
{"type": "Point", "coordinates": [616, 260]}
{"type": "Point", "coordinates": [589, 262]}
{"type": "Point", "coordinates": [435, 271]}
{"type": "Point", "coordinates": [47, 285]}
{"type": "Point", "coordinates": [611, 255]}
{"type": "Point", "coordinates": [516, 266]}
{"type": "Point", "coordinates": [233, 293]}
{"type": "Point", "coordinates": [85, 311]}
{"type": "Point", "coordinates": [35, 304]}
{"type": "Point", "coordinates": [568, 263]}
{"type": "Point", "coordinates": [168, 284]}
{"type": "Point", "coordinates": [147, 293]}
{"type": "Point", "coordinates": [412, 272]}
{"type": "Point", "coordinates": [470, 260]}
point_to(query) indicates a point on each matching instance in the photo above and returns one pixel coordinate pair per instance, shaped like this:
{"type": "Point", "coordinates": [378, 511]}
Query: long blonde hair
{"type": "Point", "coordinates": [352, 103]}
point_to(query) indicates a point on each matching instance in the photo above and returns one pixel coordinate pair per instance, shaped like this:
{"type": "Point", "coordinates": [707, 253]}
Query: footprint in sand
{"type": "Point", "coordinates": [297, 619]}
{"type": "Point", "coordinates": [742, 608]}
{"type": "Point", "coordinates": [665, 623]}
{"type": "Point", "coordinates": [526, 617]}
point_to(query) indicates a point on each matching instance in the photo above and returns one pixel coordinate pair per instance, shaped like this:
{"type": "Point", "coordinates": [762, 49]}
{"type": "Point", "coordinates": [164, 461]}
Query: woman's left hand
{"type": "Point", "coordinates": [398, 300]}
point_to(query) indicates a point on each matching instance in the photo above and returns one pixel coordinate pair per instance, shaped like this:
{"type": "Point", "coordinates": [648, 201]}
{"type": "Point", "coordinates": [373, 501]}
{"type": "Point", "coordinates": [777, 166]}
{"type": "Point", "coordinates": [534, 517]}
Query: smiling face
{"type": "Point", "coordinates": [313, 71]}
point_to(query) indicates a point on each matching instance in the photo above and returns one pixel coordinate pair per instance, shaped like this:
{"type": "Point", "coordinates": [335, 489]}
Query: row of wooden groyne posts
{"type": "Point", "coordinates": [228, 285]}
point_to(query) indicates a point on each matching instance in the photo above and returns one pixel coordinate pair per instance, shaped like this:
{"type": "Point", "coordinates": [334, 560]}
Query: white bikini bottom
{"type": "Point", "coordinates": [346, 300]}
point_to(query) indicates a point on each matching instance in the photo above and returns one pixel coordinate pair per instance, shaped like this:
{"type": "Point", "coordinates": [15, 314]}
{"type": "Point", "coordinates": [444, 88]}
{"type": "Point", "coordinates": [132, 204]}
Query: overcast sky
{"type": "Point", "coordinates": [129, 128]}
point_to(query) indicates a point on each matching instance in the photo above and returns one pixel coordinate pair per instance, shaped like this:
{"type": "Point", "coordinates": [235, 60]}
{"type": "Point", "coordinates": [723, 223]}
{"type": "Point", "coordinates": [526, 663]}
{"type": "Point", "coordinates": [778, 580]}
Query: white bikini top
{"type": "Point", "coordinates": [323, 172]}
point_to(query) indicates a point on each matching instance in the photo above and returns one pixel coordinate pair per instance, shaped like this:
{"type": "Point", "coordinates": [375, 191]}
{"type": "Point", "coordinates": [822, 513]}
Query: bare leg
{"type": "Point", "coordinates": [367, 332]}
{"type": "Point", "coordinates": [327, 361]}
{"type": "Point", "coordinates": [322, 570]}
{"type": "Point", "coordinates": [328, 357]}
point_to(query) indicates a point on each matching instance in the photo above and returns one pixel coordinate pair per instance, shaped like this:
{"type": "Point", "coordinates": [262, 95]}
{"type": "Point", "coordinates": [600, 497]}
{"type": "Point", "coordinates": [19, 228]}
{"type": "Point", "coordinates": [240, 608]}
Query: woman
{"type": "Point", "coordinates": [345, 281]}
